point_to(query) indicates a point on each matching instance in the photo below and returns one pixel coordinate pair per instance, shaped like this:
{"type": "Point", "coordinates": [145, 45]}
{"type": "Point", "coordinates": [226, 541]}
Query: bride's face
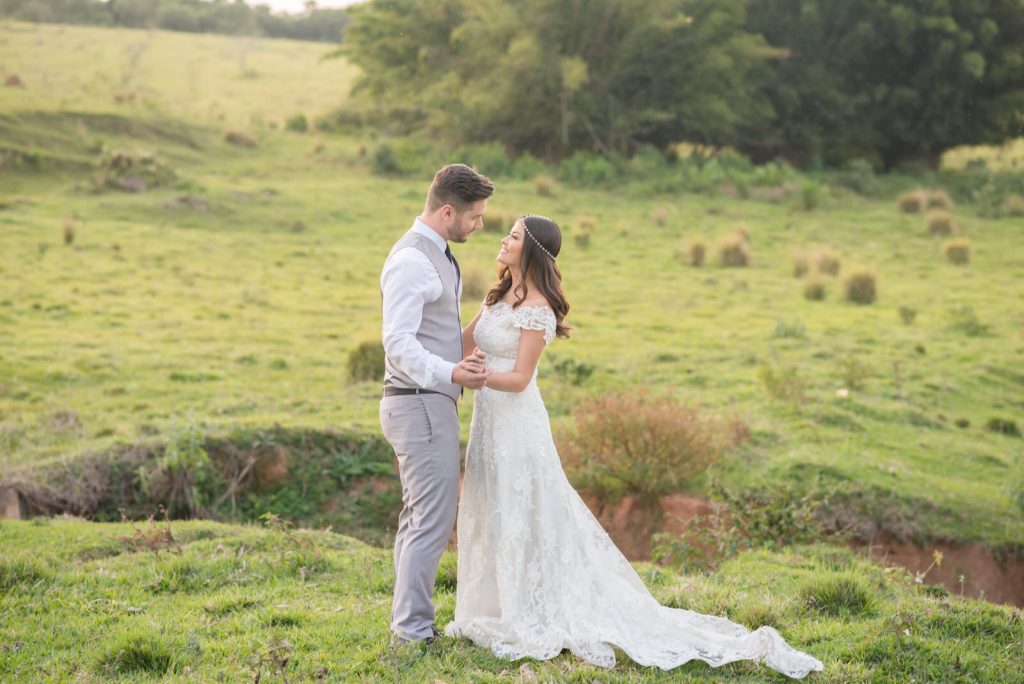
{"type": "Point", "coordinates": [512, 246]}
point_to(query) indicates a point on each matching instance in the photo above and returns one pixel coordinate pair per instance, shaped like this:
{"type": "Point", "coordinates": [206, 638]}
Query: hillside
{"type": "Point", "coordinates": [230, 295]}
{"type": "Point", "coordinates": [211, 601]}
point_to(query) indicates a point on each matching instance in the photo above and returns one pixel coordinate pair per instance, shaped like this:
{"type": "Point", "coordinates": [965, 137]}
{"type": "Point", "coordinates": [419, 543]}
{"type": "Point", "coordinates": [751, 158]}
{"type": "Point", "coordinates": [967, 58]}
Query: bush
{"type": "Point", "coordinates": [939, 200]}
{"type": "Point", "coordinates": [1013, 205]}
{"type": "Point", "coordinates": [366, 362]}
{"type": "Point", "coordinates": [814, 290]}
{"type": "Point", "coordinates": [908, 314]}
{"type": "Point", "coordinates": [826, 261]}
{"type": "Point", "coordinates": [1003, 426]}
{"type": "Point", "coordinates": [940, 223]}
{"type": "Point", "coordinates": [810, 196]}
{"type": "Point", "coordinates": [545, 186]}
{"type": "Point", "coordinates": [860, 287]}
{"type": "Point", "coordinates": [636, 443]}
{"type": "Point", "coordinates": [733, 251]}
{"type": "Point", "coordinates": [957, 251]}
{"type": "Point", "coordinates": [771, 517]}
{"type": "Point", "coordinates": [297, 123]}
{"type": "Point", "coordinates": [384, 161]}
{"type": "Point", "coordinates": [912, 202]}
{"type": "Point", "coordinates": [239, 139]}
{"type": "Point", "coordinates": [132, 171]}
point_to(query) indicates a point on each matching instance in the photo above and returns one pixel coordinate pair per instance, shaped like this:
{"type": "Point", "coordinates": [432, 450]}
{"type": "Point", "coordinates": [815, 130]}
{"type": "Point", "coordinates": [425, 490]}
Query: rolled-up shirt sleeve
{"type": "Point", "coordinates": [407, 282]}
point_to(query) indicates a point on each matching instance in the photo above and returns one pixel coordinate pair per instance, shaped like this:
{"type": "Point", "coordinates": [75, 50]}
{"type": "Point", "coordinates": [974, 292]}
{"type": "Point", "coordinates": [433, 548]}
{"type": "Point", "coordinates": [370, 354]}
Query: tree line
{"type": "Point", "coordinates": [193, 16]}
{"type": "Point", "coordinates": [815, 82]}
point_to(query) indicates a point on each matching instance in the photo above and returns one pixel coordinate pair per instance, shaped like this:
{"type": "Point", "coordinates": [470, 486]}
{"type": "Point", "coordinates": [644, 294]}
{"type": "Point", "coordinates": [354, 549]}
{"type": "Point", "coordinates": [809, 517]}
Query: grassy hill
{"type": "Point", "coordinates": [230, 296]}
{"type": "Point", "coordinates": [218, 602]}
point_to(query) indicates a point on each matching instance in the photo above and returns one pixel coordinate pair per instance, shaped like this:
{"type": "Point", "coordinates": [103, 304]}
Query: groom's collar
{"type": "Point", "coordinates": [422, 228]}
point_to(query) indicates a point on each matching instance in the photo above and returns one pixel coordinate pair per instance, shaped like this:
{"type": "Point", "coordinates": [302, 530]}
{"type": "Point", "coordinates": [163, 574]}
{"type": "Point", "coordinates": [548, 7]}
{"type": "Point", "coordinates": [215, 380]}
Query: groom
{"type": "Point", "coordinates": [424, 368]}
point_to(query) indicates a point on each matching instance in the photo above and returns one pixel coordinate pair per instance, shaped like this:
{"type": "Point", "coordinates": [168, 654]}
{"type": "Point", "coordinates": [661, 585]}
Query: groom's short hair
{"type": "Point", "coordinates": [459, 186]}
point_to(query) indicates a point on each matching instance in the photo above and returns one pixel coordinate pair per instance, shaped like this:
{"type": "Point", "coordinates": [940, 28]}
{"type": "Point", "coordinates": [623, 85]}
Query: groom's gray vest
{"type": "Point", "coordinates": [440, 330]}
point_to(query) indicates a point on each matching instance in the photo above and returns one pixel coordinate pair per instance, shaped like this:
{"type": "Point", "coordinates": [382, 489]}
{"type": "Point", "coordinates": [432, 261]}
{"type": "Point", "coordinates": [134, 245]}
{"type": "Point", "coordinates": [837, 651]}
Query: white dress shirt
{"type": "Point", "coordinates": [408, 281]}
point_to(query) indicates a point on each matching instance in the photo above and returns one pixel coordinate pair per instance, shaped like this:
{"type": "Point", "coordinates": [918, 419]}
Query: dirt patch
{"type": "Point", "coordinates": [984, 575]}
{"type": "Point", "coordinates": [631, 524]}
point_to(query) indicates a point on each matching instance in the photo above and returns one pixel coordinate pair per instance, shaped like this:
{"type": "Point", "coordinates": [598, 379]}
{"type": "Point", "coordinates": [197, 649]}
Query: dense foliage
{"type": "Point", "coordinates": [812, 81]}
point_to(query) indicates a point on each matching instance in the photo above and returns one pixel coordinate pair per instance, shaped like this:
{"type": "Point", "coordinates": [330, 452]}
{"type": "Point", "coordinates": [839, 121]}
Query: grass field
{"type": "Point", "coordinates": [87, 600]}
{"type": "Point", "coordinates": [235, 294]}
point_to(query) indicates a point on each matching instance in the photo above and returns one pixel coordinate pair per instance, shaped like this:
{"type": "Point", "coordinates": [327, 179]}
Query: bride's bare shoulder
{"type": "Point", "coordinates": [535, 303]}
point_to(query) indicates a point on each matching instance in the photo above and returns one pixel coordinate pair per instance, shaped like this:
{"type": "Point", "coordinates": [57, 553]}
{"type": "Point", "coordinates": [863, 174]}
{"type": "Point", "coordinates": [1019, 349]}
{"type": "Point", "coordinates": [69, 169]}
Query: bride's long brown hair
{"type": "Point", "coordinates": [538, 265]}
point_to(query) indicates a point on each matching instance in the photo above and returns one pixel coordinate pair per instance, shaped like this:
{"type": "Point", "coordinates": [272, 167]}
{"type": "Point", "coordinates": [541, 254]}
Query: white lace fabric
{"type": "Point", "coordinates": [536, 571]}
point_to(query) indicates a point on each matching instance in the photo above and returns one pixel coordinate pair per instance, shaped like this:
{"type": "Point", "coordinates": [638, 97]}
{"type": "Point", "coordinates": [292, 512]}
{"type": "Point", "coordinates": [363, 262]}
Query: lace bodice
{"type": "Point", "coordinates": [497, 331]}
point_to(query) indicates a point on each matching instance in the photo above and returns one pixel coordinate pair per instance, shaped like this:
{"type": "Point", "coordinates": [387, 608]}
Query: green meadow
{"type": "Point", "coordinates": [230, 296]}
{"type": "Point", "coordinates": [229, 603]}
{"type": "Point", "coordinates": [233, 296]}
{"type": "Point", "coordinates": [226, 299]}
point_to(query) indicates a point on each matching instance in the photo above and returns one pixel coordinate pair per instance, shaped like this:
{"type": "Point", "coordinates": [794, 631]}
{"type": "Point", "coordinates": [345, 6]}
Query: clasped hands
{"type": "Point", "coordinates": [471, 371]}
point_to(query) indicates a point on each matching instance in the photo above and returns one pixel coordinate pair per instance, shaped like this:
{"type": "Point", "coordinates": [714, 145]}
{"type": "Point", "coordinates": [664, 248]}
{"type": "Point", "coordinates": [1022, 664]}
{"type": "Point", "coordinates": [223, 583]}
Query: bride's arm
{"type": "Point", "coordinates": [531, 344]}
{"type": "Point", "coordinates": [467, 334]}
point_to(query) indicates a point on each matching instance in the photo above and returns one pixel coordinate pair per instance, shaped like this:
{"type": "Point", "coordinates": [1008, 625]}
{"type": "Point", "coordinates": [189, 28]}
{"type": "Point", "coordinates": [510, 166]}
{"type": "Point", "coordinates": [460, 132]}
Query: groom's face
{"type": "Point", "coordinates": [463, 223]}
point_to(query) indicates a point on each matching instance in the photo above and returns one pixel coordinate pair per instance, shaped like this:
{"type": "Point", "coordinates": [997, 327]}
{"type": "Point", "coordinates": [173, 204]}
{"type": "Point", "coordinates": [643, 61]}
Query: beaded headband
{"type": "Point", "coordinates": [535, 240]}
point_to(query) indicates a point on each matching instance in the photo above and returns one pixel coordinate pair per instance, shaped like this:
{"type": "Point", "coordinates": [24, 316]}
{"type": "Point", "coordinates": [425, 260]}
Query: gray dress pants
{"type": "Point", "coordinates": [423, 429]}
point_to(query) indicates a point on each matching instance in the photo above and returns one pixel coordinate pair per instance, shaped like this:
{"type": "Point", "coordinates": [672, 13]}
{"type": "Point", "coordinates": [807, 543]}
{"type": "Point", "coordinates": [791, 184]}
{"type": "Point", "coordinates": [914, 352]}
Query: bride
{"type": "Point", "coordinates": [536, 572]}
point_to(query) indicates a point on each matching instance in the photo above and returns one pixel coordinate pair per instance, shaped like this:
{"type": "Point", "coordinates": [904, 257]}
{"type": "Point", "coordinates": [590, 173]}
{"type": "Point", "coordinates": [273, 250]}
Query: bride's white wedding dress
{"type": "Point", "coordinates": [537, 573]}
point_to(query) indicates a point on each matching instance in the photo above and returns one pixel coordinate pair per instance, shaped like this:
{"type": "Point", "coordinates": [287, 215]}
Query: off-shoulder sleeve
{"type": "Point", "coordinates": [536, 318]}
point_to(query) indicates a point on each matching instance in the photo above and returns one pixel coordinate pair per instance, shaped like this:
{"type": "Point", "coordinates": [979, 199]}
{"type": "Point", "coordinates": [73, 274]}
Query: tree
{"type": "Point", "coordinates": [552, 76]}
{"type": "Point", "coordinates": [892, 82]}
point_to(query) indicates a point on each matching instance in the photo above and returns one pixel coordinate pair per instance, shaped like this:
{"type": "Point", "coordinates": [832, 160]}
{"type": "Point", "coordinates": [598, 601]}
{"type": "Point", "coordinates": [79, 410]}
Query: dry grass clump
{"type": "Point", "coordinates": [660, 216]}
{"type": "Point", "coordinates": [938, 199]}
{"type": "Point", "coordinates": [584, 232]}
{"type": "Point", "coordinates": [827, 261]}
{"type": "Point", "coordinates": [498, 221]}
{"type": "Point", "coordinates": [814, 290]}
{"type": "Point", "coordinates": [823, 261]}
{"type": "Point", "coordinates": [860, 286]}
{"type": "Point", "coordinates": [1013, 205]}
{"type": "Point", "coordinates": [801, 265]}
{"type": "Point", "coordinates": [694, 252]}
{"type": "Point", "coordinates": [366, 362]}
{"type": "Point", "coordinates": [733, 251]}
{"type": "Point", "coordinates": [940, 222]}
{"type": "Point", "coordinates": [957, 251]}
{"type": "Point", "coordinates": [69, 230]}
{"type": "Point", "coordinates": [913, 202]}
{"type": "Point", "coordinates": [545, 186]}
{"type": "Point", "coordinates": [239, 139]}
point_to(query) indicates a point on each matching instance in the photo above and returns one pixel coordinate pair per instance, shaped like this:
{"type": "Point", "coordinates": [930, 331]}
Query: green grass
{"type": "Point", "coordinates": [237, 596]}
{"type": "Point", "coordinates": [243, 311]}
